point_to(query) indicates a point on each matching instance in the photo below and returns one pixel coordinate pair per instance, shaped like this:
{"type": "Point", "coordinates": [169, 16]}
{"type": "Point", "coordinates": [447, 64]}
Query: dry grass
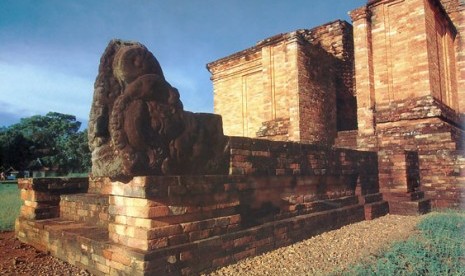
{"type": "Point", "coordinates": [10, 203]}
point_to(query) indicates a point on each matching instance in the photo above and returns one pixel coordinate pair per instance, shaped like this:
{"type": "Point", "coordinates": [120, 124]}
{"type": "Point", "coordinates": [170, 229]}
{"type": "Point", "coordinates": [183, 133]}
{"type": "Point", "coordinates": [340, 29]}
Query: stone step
{"type": "Point", "coordinates": [376, 210]}
{"type": "Point", "coordinates": [370, 198]}
{"type": "Point", "coordinates": [87, 208]}
{"type": "Point", "coordinates": [78, 243]}
{"type": "Point", "coordinates": [409, 196]}
{"type": "Point", "coordinates": [314, 207]}
{"type": "Point", "coordinates": [414, 207]}
{"type": "Point", "coordinates": [89, 246]}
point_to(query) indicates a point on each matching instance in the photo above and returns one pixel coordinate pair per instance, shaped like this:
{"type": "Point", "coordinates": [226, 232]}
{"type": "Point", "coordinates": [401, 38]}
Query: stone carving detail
{"type": "Point", "coordinates": [137, 124]}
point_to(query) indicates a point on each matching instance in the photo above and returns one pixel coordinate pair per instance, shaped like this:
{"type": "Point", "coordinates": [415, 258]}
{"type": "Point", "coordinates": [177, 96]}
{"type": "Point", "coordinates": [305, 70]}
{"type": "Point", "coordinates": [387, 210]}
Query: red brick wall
{"type": "Point", "coordinates": [423, 125]}
{"type": "Point", "coordinates": [257, 85]}
{"type": "Point", "coordinates": [336, 38]}
{"type": "Point", "coordinates": [262, 157]}
{"type": "Point", "coordinates": [456, 12]}
{"type": "Point", "coordinates": [443, 177]}
{"type": "Point", "coordinates": [303, 77]}
{"type": "Point", "coordinates": [407, 83]}
{"type": "Point", "coordinates": [441, 35]}
{"type": "Point", "coordinates": [41, 196]}
{"type": "Point", "coordinates": [317, 95]}
{"type": "Point", "coordinates": [401, 53]}
{"type": "Point", "coordinates": [363, 67]}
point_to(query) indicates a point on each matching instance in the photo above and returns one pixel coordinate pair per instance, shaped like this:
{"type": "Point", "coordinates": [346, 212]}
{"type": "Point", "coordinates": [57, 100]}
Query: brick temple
{"type": "Point", "coordinates": [393, 83]}
{"type": "Point", "coordinates": [319, 128]}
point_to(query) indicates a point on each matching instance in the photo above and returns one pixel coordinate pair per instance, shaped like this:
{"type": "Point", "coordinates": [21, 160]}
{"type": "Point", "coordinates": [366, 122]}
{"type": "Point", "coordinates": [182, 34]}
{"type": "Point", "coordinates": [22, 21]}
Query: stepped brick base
{"type": "Point", "coordinates": [89, 247]}
{"type": "Point", "coordinates": [276, 193]}
{"type": "Point", "coordinates": [186, 225]}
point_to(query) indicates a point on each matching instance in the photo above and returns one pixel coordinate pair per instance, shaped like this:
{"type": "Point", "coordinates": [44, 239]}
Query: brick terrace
{"type": "Point", "coordinates": [276, 193]}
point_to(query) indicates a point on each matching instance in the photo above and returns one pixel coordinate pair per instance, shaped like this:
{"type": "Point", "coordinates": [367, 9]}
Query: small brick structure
{"type": "Point", "coordinates": [302, 80]}
{"type": "Point", "coordinates": [276, 193]}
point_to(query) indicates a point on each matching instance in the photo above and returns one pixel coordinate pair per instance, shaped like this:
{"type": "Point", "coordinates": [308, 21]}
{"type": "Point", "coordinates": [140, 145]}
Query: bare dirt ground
{"type": "Point", "coordinates": [20, 259]}
{"type": "Point", "coordinates": [318, 255]}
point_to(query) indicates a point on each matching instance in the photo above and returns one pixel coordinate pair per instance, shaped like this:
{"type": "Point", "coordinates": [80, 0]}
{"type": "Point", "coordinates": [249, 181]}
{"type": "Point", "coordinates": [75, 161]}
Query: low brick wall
{"type": "Point", "coordinates": [443, 180]}
{"type": "Point", "coordinates": [185, 225]}
{"type": "Point", "coordinates": [157, 212]}
{"type": "Point", "coordinates": [41, 196]}
{"type": "Point", "coordinates": [263, 157]}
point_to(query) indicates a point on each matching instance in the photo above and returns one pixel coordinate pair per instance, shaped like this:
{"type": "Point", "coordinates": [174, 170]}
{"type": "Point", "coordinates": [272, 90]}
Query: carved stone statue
{"type": "Point", "coordinates": [137, 124]}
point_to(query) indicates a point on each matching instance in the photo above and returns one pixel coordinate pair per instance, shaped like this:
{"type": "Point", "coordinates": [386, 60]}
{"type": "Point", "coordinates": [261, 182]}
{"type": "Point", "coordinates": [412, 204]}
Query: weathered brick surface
{"type": "Point", "coordinates": [99, 185]}
{"type": "Point", "coordinates": [405, 52]}
{"type": "Point", "coordinates": [335, 38]}
{"type": "Point", "coordinates": [443, 179]}
{"type": "Point", "coordinates": [179, 210]}
{"type": "Point", "coordinates": [54, 185]}
{"type": "Point", "coordinates": [278, 129]}
{"type": "Point", "coordinates": [303, 78]}
{"type": "Point", "coordinates": [41, 196]}
{"type": "Point", "coordinates": [408, 64]}
{"type": "Point", "coordinates": [188, 224]}
{"type": "Point", "coordinates": [88, 208]}
{"type": "Point", "coordinates": [82, 245]}
{"type": "Point", "coordinates": [316, 95]}
{"type": "Point", "coordinates": [89, 247]}
{"type": "Point", "coordinates": [455, 10]}
{"type": "Point", "coordinates": [262, 157]}
{"type": "Point", "coordinates": [346, 139]}
{"type": "Point", "coordinates": [429, 129]}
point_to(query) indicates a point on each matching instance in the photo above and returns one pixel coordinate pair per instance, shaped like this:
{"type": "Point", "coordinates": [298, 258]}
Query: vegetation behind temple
{"type": "Point", "coordinates": [45, 143]}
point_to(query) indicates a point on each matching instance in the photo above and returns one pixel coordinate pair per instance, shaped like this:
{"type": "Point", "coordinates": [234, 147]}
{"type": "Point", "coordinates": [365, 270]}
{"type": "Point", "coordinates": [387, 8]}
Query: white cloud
{"type": "Point", "coordinates": [33, 89]}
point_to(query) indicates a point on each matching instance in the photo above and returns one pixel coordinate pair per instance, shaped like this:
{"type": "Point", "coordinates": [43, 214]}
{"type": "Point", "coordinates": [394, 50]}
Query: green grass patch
{"type": "Point", "coordinates": [10, 203]}
{"type": "Point", "coordinates": [437, 249]}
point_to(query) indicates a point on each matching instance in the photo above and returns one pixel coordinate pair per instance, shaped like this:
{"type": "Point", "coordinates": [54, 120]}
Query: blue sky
{"type": "Point", "coordinates": [50, 49]}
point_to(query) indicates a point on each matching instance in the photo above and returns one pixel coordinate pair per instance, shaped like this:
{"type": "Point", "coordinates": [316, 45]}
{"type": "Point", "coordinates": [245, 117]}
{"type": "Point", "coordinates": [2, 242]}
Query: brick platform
{"type": "Point", "coordinates": [276, 193]}
{"type": "Point", "coordinates": [89, 247]}
{"type": "Point", "coordinates": [189, 224]}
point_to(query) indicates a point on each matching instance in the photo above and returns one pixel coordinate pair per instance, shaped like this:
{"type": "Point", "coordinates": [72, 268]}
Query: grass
{"type": "Point", "coordinates": [10, 203]}
{"type": "Point", "coordinates": [437, 249]}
